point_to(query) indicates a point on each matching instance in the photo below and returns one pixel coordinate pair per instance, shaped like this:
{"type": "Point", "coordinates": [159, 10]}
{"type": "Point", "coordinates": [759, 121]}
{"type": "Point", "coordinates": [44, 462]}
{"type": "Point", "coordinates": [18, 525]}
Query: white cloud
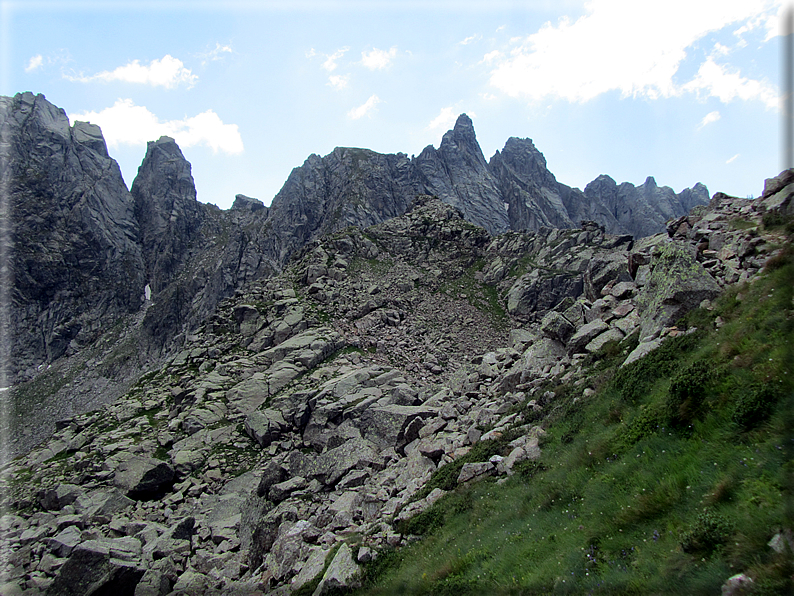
{"type": "Point", "coordinates": [338, 81]}
{"type": "Point", "coordinates": [445, 119]}
{"type": "Point", "coordinates": [632, 47]}
{"type": "Point", "coordinates": [488, 96]}
{"type": "Point", "coordinates": [720, 50]}
{"type": "Point", "coordinates": [378, 59]}
{"type": "Point", "coordinates": [732, 159]}
{"type": "Point", "coordinates": [470, 39]}
{"type": "Point", "coordinates": [168, 72]}
{"type": "Point", "coordinates": [709, 118]}
{"type": "Point", "coordinates": [714, 80]}
{"type": "Point", "coordinates": [491, 56]}
{"type": "Point", "coordinates": [364, 108]}
{"type": "Point", "coordinates": [127, 124]}
{"type": "Point", "coordinates": [35, 63]}
{"type": "Point", "coordinates": [330, 59]}
{"type": "Point", "coordinates": [215, 54]}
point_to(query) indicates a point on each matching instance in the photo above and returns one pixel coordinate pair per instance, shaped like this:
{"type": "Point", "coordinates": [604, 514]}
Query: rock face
{"type": "Point", "coordinates": [348, 187]}
{"type": "Point", "coordinates": [75, 266]}
{"type": "Point", "coordinates": [640, 211]}
{"type": "Point", "coordinates": [166, 209]}
{"type": "Point", "coordinates": [534, 196]}
{"type": "Point", "coordinates": [458, 174]}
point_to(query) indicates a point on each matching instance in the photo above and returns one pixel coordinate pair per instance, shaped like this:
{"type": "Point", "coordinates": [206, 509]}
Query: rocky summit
{"type": "Point", "coordinates": [254, 401]}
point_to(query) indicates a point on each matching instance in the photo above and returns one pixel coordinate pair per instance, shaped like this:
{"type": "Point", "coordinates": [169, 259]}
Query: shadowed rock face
{"type": "Point", "coordinates": [76, 265]}
{"type": "Point", "coordinates": [458, 174]}
{"type": "Point", "coordinates": [637, 210]}
{"type": "Point", "coordinates": [531, 191]}
{"type": "Point", "coordinates": [166, 209]}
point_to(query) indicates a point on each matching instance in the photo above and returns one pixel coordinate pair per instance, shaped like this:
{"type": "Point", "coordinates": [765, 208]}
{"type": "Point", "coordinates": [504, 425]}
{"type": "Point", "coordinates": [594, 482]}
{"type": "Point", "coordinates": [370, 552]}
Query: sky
{"type": "Point", "coordinates": [685, 91]}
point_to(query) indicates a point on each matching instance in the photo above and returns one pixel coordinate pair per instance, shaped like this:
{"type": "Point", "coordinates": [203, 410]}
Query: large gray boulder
{"type": "Point", "coordinates": [342, 573]}
{"type": "Point", "coordinates": [677, 284]}
{"type": "Point", "coordinates": [144, 477]}
{"type": "Point", "coordinates": [542, 290]}
{"type": "Point", "coordinates": [391, 426]}
{"type": "Point", "coordinates": [90, 569]}
{"type": "Point", "coordinates": [265, 426]}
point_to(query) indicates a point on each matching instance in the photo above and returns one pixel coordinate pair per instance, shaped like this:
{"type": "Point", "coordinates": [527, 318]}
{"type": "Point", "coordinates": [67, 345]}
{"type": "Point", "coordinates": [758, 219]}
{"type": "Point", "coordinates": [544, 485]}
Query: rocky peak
{"type": "Point", "coordinates": [244, 203]}
{"type": "Point", "coordinates": [166, 209]}
{"type": "Point", "coordinates": [524, 159]}
{"type": "Point", "coordinates": [458, 173]}
{"type": "Point", "coordinates": [461, 141]}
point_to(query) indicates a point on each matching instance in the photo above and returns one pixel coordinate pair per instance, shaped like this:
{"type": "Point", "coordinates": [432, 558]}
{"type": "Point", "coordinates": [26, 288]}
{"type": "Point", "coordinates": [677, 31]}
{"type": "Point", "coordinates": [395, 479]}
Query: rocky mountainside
{"type": "Point", "coordinates": [77, 265]}
{"type": "Point", "coordinates": [302, 420]}
{"type": "Point", "coordinates": [105, 283]}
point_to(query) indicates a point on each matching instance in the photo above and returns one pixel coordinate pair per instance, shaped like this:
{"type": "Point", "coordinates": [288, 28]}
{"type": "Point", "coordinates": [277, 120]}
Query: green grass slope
{"type": "Point", "coordinates": [674, 476]}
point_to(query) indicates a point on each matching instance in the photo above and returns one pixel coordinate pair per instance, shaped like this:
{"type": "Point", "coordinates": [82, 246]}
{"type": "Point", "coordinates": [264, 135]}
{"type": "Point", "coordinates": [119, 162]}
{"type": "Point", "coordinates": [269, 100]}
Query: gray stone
{"type": "Point", "coordinates": [343, 572]}
{"type": "Point", "coordinates": [738, 584]}
{"type": "Point", "coordinates": [386, 426]}
{"type": "Point", "coordinates": [642, 349]}
{"type": "Point", "coordinates": [601, 340]}
{"type": "Point", "coordinates": [102, 503]}
{"type": "Point", "coordinates": [474, 470]}
{"type": "Point", "coordinates": [265, 426]}
{"type": "Point", "coordinates": [677, 284]}
{"type": "Point", "coordinates": [556, 326]}
{"type": "Point", "coordinates": [143, 477]}
{"type": "Point", "coordinates": [90, 569]}
{"type": "Point", "coordinates": [57, 498]}
{"type": "Point", "coordinates": [528, 450]}
{"type": "Point", "coordinates": [63, 543]}
{"type": "Point", "coordinates": [585, 334]}
{"type": "Point", "coordinates": [282, 490]}
{"type": "Point", "coordinates": [189, 583]}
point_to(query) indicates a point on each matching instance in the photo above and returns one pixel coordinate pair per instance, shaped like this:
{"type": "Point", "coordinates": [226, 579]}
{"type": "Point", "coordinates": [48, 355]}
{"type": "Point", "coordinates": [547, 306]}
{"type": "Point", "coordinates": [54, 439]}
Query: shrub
{"type": "Point", "coordinates": [645, 423]}
{"type": "Point", "coordinates": [710, 531]}
{"type": "Point", "coordinates": [635, 380]}
{"type": "Point", "coordinates": [755, 405]}
{"type": "Point", "coordinates": [773, 219]}
{"type": "Point", "coordinates": [686, 395]}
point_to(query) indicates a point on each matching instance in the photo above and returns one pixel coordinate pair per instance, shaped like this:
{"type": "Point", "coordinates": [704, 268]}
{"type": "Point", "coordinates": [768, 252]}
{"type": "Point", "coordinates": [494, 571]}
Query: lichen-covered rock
{"type": "Point", "coordinates": [343, 572]}
{"type": "Point", "coordinates": [677, 284]}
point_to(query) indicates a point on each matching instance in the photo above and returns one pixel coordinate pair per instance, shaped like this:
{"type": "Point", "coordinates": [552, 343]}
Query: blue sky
{"type": "Point", "coordinates": [685, 91]}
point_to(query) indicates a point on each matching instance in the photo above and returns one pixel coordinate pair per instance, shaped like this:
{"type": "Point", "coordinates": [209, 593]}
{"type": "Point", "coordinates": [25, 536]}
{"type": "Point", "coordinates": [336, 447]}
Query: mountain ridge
{"type": "Point", "coordinates": [172, 259]}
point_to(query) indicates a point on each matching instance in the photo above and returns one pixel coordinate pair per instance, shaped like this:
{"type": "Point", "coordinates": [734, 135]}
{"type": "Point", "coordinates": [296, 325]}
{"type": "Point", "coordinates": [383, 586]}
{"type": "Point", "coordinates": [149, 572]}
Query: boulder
{"type": "Point", "coordinates": [57, 498]}
{"type": "Point", "coordinates": [91, 570]}
{"type": "Point", "coordinates": [601, 340]}
{"type": "Point", "coordinates": [677, 284]}
{"type": "Point", "coordinates": [474, 470]}
{"type": "Point", "coordinates": [390, 426]}
{"type": "Point", "coordinates": [603, 269]}
{"type": "Point", "coordinates": [342, 573]}
{"type": "Point", "coordinates": [144, 477]}
{"type": "Point", "coordinates": [540, 290]}
{"type": "Point", "coordinates": [331, 466]}
{"type": "Point", "coordinates": [265, 426]}
{"type": "Point", "coordinates": [585, 334]}
{"type": "Point", "coordinates": [556, 326]}
{"type": "Point", "coordinates": [282, 490]}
